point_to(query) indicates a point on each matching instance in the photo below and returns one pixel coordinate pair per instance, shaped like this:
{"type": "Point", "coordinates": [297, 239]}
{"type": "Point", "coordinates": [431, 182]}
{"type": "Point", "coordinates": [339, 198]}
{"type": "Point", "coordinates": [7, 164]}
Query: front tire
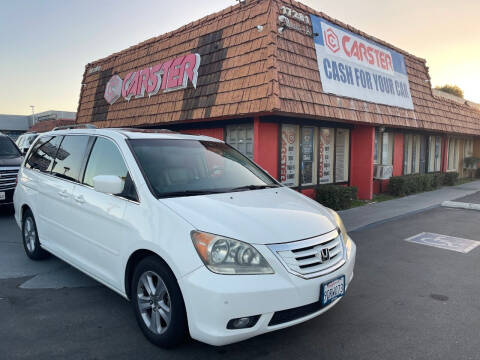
{"type": "Point", "coordinates": [31, 243]}
{"type": "Point", "coordinates": [158, 303]}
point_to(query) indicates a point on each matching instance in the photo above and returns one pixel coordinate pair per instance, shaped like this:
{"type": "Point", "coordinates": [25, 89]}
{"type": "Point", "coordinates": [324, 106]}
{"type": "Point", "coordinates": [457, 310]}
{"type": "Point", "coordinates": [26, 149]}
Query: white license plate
{"type": "Point", "coordinates": [2, 195]}
{"type": "Point", "coordinates": [332, 290]}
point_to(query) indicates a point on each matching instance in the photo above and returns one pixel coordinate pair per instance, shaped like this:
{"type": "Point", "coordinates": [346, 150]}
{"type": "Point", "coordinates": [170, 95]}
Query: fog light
{"type": "Point", "coordinates": [243, 322]}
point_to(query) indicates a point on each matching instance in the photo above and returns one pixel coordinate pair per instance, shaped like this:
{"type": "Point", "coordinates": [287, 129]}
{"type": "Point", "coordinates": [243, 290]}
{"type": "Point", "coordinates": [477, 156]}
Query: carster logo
{"type": "Point", "coordinates": [331, 40]}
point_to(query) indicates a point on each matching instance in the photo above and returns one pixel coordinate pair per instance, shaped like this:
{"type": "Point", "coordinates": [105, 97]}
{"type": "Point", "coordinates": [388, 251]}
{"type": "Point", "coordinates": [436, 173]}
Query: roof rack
{"type": "Point", "coordinates": [147, 131]}
{"type": "Point", "coordinates": [86, 126]}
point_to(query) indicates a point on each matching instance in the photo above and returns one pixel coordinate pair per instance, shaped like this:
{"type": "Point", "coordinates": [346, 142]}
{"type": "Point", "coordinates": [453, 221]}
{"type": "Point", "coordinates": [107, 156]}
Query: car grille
{"type": "Point", "coordinates": [312, 257]}
{"type": "Point", "coordinates": [8, 176]}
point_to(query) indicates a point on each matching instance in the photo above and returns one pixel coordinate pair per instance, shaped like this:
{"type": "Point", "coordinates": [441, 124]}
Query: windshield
{"type": "Point", "coordinates": [192, 167]}
{"type": "Point", "coordinates": [8, 148]}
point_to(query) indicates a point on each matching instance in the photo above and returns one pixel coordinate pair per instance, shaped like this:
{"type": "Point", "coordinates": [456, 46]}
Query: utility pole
{"type": "Point", "coordinates": [33, 114]}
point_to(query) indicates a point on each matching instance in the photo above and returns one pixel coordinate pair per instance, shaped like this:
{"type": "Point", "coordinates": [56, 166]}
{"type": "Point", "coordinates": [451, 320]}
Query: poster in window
{"type": "Point", "coordinates": [325, 156]}
{"type": "Point", "coordinates": [288, 155]}
{"type": "Point", "coordinates": [341, 155]}
{"type": "Point", "coordinates": [307, 155]}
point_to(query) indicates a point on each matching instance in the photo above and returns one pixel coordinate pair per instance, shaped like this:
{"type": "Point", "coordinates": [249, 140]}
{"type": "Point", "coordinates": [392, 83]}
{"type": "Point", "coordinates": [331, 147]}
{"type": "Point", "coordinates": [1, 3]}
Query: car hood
{"type": "Point", "coordinates": [265, 216]}
{"type": "Point", "coordinates": [11, 161]}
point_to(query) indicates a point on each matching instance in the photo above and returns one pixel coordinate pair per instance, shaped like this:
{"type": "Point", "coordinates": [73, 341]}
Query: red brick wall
{"type": "Point", "coordinates": [47, 125]}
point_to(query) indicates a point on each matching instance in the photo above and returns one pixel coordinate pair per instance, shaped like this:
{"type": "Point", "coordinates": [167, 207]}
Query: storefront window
{"type": "Point", "coordinates": [325, 156]}
{"type": "Point", "coordinates": [468, 150]}
{"type": "Point", "coordinates": [308, 155]}
{"type": "Point", "coordinates": [434, 153]}
{"type": "Point", "coordinates": [452, 161]}
{"type": "Point", "coordinates": [342, 151]}
{"type": "Point", "coordinates": [414, 154]}
{"type": "Point", "coordinates": [383, 148]}
{"type": "Point", "coordinates": [240, 137]}
{"type": "Point", "coordinates": [312, 155]}
{"type": "Point", "coordinates": [289, 151]}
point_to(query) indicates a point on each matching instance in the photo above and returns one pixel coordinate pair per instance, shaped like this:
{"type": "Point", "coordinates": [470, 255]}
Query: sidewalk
{"type": "Point", "coordinates": [362, 216]}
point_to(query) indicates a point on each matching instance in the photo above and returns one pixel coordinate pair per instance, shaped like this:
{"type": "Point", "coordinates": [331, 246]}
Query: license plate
{"type": "Point", "coordinates": [2, 195]}
{"type": "Point", "coordinates": [332, 290]}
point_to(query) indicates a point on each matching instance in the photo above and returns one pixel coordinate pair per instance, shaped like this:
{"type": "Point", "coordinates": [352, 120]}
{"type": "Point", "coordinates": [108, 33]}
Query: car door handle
{"type": "Point", "coordinates": [79, 199]}
{"type": "Point", "coordinates": [63, 193]}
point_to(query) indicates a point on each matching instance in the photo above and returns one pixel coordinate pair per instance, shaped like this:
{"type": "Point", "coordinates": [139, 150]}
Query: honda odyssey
{"type": "Point", "coordinates": [200, 239]}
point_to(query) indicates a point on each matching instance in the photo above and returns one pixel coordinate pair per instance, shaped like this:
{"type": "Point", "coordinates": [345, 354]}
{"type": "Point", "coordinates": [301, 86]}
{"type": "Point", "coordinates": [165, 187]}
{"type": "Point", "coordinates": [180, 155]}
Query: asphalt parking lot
{"type": "Point", "coordinates": [407, 301]}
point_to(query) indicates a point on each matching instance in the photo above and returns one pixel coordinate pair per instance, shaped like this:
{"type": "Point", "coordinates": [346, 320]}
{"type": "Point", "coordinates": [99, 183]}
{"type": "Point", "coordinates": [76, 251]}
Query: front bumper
{"type": "Point", "coordinates": [212, 300]}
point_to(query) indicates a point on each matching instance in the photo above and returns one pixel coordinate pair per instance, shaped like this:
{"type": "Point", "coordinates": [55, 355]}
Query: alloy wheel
{"type": "Point", "coordinates": [29, 234]}
{"type": "Point", "coordinates": [154, 302]}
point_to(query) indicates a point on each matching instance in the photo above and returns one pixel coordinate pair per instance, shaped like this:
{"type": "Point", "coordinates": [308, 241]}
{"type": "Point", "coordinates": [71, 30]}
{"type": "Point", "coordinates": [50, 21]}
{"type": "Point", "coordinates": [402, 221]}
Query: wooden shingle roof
{"type": "Point", "coordinates": [248, 68]}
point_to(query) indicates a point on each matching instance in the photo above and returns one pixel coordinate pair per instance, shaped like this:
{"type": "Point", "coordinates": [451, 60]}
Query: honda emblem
{"type": "Point", "coordinates": [325, 254]}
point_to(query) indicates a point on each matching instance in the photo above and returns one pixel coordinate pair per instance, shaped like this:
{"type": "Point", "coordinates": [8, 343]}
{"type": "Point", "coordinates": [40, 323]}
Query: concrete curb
{"type": "Point", "coordinates": [461, 205]}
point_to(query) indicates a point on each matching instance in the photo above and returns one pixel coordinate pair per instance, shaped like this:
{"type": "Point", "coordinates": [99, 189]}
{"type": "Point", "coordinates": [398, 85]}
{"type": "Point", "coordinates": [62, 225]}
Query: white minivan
{"type": "Point", "coordinates": [199, 238]}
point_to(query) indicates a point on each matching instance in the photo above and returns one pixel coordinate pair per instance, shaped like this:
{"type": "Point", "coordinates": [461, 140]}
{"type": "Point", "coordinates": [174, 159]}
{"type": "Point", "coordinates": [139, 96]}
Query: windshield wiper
{"type": "Point", "coordinates": [188, 193]}
{"type": "Point", "coordinates": [254, 187]}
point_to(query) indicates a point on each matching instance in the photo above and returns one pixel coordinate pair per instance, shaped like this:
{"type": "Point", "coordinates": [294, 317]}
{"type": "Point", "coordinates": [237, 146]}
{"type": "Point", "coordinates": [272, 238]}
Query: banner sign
{"type": "Point", "coordinates": [168, 76]}
{"type": "Point", "coordinates": [353, 66]}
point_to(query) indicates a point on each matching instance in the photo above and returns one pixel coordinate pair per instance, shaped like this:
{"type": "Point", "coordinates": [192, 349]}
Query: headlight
{"type": "Point", "coordinates": [228, 256]}
{"type": "Point", "coordinates": [343, 230]}
{"type": "Point", "coordinates": [338, 221]}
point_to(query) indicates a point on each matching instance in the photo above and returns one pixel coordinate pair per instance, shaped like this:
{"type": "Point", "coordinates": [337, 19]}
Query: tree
{"type": "Point", "coordinates": [451, 89]}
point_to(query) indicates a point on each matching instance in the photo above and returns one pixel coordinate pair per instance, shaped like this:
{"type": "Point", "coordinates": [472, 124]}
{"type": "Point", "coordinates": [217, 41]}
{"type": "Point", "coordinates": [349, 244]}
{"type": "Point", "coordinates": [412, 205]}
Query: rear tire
{"type": "Point", "coordinates": [158, 303]}
{"type": "Point", "coordinates": [31, 243]}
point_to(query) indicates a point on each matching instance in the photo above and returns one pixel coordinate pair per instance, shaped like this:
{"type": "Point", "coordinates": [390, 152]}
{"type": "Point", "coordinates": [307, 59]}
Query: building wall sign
{"type": "Point", "coordinates": [353, 66]}
{"type": "Point", "coordinates": [168, 76]}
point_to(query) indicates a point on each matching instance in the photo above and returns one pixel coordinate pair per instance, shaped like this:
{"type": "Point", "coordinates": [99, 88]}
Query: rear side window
{"type": "Point", "coordinates": [106, 159]}
{"type": "Point", "coordinates": [43, 153]}
{"type": "Point", "coordinates": [70, 155]}
{"type": "Point", "coordinates": [29, 140]}
{"type": "Point", "coordinates": [8, 147]}
{"type": "Point", "coordinates": [19, 141]}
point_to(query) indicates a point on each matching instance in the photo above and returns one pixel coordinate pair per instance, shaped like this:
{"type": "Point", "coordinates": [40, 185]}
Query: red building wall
{"type": "Point", "coordinates": [444, 154]}
{"type": "Point", "coordinates": [265, 146]}
{"type": "Point", "coordinates": [398, 154]}
{"type": "Point", "coordinates": [361, 164]}
{"type": "Point", "coordinates": [212, 132]}
{"type": "Point", "coordinates": [380, 186]}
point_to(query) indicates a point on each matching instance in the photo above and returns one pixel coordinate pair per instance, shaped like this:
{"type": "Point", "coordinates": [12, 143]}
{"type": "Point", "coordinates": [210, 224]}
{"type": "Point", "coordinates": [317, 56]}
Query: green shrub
{"type": "Point", "coordinates": [438, 180]}
{"type": "Point", "coordinates": [397, 186]}
{"type": "Point", "coordinates": [336, 197]}
{"type": "Point", "coordinates": [411, 184]}
{"type": "Point", "coordinates": [450, 178]}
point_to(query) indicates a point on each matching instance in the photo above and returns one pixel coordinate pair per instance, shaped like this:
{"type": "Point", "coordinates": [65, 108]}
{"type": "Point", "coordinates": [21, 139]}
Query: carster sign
{"type": "Point", "coordinates": [168, 76]}
{"type": "Point", "coordinates": [353, 66]}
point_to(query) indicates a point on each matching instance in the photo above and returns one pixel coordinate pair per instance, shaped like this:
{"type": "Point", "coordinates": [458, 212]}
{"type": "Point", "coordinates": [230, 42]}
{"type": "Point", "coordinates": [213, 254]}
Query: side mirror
{"type": "Point", "coordinates": [108, 184]}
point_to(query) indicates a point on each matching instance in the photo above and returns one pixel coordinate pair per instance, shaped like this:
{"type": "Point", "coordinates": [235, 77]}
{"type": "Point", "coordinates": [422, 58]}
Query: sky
{"type": "Point", "coordinates": [45, 44]}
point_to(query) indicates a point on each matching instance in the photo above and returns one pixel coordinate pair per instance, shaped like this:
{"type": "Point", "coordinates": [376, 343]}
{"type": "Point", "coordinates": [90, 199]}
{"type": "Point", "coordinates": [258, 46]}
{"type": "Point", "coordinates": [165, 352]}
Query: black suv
{"type": "Point", "coordinates": [10, 160]}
